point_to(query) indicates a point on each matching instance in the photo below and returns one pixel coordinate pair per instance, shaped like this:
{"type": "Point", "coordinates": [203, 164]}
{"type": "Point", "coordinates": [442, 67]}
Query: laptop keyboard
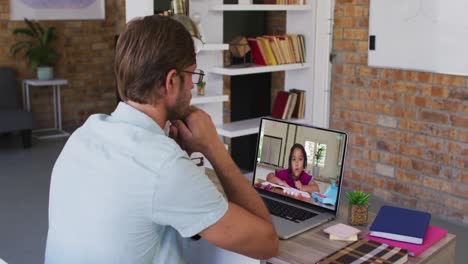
{"type": "Point", "coordinates": [287, 212]}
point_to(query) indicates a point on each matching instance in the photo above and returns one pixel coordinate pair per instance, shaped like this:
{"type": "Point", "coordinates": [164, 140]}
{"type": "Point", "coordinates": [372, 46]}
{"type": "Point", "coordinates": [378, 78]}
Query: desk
{"type": "Point", "coordinates": [314, 244]}
{"type": "Point", "coordinates": [56, 84]}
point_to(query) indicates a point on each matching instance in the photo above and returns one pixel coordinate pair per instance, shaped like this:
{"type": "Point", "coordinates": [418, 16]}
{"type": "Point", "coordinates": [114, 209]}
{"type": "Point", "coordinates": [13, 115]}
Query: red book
{"type": "Point", "coordinates": [257, 55]}
{"type": "Point", "coordinates": [433, 234]}
{"type": "Point", "coordinates": [280, 104]}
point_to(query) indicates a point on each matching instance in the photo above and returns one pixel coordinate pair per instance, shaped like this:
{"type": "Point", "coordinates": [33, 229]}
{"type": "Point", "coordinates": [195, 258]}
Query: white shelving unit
{"type": "Point", "coordinates": [258, 69]}
{"type": "Point", "coordinates": [314, 21]}
{"type": "Point", "coordinates": [214, 47]}
{"type": "Point", "coordinates": [244, 127]}
{"type": "Point", "coordinates": [261, 8]}
{"type": "Point", "coordinates": [209, 97]}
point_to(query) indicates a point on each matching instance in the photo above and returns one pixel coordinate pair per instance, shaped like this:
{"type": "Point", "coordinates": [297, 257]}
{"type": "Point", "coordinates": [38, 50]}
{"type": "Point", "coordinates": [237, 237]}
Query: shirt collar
{"type": "Point", "coordinates": [130, 115]}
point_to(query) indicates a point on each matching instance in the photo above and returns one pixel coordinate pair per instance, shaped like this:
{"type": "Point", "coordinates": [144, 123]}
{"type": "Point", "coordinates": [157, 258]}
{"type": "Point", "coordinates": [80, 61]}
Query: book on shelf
{"type": "Point", "coordinates": [367, 251]}
{"type": "Point", "coordinates": [400, 224]}
{"type": "Point", "coordinates": [280, 104]}
{"type": "Point", "coordinates": [433, 235]}
{"type": "Point", "coordinates": [257, 55]}
{"type": "Point", "coordinates": [298, 111]}
{"type": "Point", "coordinates": [289, 105]}
{"type": "Point", "coordinates": [274, 50]}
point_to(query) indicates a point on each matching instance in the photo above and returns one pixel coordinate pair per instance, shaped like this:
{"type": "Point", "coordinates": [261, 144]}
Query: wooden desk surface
{"type": "Point", "coordinates": [314, 244]}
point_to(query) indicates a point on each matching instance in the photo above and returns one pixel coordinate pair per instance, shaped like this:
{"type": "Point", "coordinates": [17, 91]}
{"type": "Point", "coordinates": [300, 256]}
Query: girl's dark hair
{"type": "Point", "coordinates": [297, 146]}
{"type": "Point", "coordinates": [146, 51]}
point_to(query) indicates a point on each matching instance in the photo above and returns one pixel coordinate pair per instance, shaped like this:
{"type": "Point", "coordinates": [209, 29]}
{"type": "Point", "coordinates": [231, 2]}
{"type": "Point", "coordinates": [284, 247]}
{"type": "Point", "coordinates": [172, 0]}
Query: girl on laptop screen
{"type": "Point", "coordinates": [295, 176]}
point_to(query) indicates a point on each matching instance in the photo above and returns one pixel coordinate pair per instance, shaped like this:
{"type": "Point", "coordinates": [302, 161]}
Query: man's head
{"type": "Point", "coordinates": [152, 51]}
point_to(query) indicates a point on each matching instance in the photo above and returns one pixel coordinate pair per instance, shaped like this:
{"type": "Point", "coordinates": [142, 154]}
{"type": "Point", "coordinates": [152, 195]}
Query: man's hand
{"type": "Point", "coordinates": [196, 133]}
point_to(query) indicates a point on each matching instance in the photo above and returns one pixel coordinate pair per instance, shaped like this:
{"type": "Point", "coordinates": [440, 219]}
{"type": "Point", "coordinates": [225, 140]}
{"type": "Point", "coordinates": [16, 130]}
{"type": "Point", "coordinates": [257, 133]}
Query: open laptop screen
{"type": "Point", "coordinates": [300, 162]}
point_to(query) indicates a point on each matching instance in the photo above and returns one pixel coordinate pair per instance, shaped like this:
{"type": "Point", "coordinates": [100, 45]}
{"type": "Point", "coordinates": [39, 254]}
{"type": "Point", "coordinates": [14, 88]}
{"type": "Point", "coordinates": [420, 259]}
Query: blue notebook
{"type": "Point", "coordinates": [400, 224]}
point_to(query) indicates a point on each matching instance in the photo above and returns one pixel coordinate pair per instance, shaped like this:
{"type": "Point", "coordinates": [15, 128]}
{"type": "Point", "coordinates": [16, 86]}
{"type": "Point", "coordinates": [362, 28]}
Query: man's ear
{"type": "Point", "coordinates": [171, 81]}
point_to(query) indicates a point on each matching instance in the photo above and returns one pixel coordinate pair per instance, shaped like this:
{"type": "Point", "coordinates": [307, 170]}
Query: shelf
{"type": "Point", "coordinates": [261, 8]}
{"type": "Point", "coordinates": [243, 128]}
{"type": "Point", "coordinates": [214, 47]}
{"type": "Point", "coordinates": [208, 98]}
{"type": "Point", "coordinates": [257, 69]}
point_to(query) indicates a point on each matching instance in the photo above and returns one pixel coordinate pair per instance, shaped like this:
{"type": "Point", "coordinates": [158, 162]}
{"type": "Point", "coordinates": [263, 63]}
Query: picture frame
{"type": "Point", "coordinates": [57, 9]}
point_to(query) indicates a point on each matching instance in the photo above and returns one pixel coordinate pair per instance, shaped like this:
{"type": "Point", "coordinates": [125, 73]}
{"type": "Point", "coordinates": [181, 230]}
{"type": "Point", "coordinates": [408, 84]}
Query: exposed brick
{"type": "Point", "coordinates": [387, 121]}
{"type": "Point", "coordinates": [462, 176]}
{"type": "Point", "coordinates": [449, 80]}
{"type": "Point", "coordinates": [355, 34]}
{"type": "Point", "coordinates": [345, 45]}
{"type": "Point", "coordinates": [357, 11]}
{"type": "Point", "coordinates": [367, 71]}
{"type": "Point", "coordinates": [364, 165]}
{"type": "Point", "coordinates": [437, 91]}
{"type": "Point", "coordinates": [461, 190]}
{"type": "Point", "coordinates": [404, 176]}
{"type": "Point", "coordinates": [392, 74]}
{"type": "Point", "coordinates": [404, 87]}
{"type": "Point", "coordinates": [382, 194]}
{"type": "Point", "coordinates": [429, 142]}
{"type": "Point", "coordinates": [379, 84]}
{"type": "Point", "coordinates": [434, 117]}
{"type": "Point", "coordinates": [385, 170]}
{"type": "Point", "coordinates": [410, 151]}
{"type": "Point", "coordinates": [345, 69]}
{"type": "Point", "coordinates": [386, 145]}
{"type": "Point", "coordinates": [405, 112]}
{"type": "Point", "coordinates": [437, 184]}
{"type": "Point", "coordinates": [461, 94]}
{"type": "Point", "coordinates": [425, 167]}
{"type": "Point", "coordinates": [379, 108]}
{"type": "Point", "coordinates": [354, 127]}
{"type": "Point", "coordinates": [443, 104]}
{"type": "Point", "coordinates": [459, 121]}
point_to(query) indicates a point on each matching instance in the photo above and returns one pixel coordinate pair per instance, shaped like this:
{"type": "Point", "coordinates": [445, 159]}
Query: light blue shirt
{"type": "Point", "coordinates": [123, 192]}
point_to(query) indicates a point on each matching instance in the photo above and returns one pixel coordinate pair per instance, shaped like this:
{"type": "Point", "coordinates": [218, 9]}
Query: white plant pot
{"type": "Point", "coordinates": [45, 73]}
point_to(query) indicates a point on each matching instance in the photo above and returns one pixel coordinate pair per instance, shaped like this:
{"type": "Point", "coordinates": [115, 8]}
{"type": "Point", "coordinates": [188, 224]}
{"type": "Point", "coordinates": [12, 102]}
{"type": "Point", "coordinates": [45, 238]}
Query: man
{"type": "Point", "coordinates": [124, 192]}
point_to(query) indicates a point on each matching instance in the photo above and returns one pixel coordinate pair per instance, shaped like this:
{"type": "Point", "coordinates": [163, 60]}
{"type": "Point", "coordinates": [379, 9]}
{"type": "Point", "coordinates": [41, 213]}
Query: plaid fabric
{"type": "Point", "coordinates": [367, 251]}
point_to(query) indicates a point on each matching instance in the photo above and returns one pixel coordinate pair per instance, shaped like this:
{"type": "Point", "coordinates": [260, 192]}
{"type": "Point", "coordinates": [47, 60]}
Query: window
{"type": "Point", "coordinates": [270, 150]}
{"type": "Point", "coordinates": [316, 153]}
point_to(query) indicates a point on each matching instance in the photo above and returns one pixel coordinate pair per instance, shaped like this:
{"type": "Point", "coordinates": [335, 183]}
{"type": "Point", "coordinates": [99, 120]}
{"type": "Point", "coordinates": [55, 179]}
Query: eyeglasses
{"type": "Point", "coordinates": [197, 75]}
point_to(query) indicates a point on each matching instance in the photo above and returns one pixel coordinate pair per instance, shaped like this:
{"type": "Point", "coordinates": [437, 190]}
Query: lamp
{"type": "Point", "coordinates": [179, 14]}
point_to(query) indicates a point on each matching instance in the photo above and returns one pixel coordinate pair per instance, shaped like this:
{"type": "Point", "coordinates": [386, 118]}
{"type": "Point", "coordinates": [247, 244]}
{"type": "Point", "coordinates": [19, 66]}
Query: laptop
{"type": "Point", "coordinates": [306, 193]}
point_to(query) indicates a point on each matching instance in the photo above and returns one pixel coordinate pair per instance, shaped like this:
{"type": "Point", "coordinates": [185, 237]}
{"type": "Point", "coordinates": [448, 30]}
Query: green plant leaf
{"type": "Point", "coordinates": [20, 46]}
{"type": "Point", "coordinates": [24, 31]}
{"type": "Point", "coordinates": [37, 50]}
{"type": "Point", "coordinates": [32, 27]}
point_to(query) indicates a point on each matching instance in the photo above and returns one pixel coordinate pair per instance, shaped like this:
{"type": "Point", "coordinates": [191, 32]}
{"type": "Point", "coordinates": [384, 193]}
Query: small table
{"type": "Point", "coordinates": [312, 245]}
{"type": "Point", "coordinates": [56, 131]}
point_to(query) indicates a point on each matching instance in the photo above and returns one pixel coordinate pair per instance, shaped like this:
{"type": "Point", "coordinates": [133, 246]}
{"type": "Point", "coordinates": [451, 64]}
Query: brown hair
{"type": "Point", "coordinates": [146, 51]}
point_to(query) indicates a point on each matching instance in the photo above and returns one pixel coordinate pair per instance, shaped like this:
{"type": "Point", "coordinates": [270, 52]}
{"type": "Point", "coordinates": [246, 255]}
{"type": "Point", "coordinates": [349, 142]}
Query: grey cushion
{"type": "Point", "coordinates": [12, 117]}
{"type": "Point", "coordinates": [15, 119]}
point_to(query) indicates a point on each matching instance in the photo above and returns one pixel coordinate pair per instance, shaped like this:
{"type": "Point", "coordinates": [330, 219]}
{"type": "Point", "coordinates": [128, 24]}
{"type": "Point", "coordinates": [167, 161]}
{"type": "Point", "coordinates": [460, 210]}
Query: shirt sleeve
{"type": "Point", "coordinates": [185, 198]}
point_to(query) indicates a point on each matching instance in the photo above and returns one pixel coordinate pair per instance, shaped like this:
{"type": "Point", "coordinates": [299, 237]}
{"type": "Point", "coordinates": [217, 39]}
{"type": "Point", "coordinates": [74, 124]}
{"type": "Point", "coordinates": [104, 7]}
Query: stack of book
{"type": "Point", "coordinates": [284, 2]}
{"type": "Point", "coordinates": [274, 50]}
{"type": "Point", "coordinates": [289, 105]}
{"type": "Point", "coordinates": [342, 232]}
{"type": "Point", "coordinates": [367, 251]}
{"type": "Point", "coordinates": [405, 228]}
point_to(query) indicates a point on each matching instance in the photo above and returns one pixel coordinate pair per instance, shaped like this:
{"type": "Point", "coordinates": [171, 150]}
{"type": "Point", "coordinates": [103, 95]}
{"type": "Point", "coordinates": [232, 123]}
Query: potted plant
{"type": "Point", "coordinates": [37, 48]}
{"type": "Point", "coordinates": [201, 88]}
{"type": "Point", "coordinates": [358, 207]}
{"type": "Point", "coordinates": [318, 155]}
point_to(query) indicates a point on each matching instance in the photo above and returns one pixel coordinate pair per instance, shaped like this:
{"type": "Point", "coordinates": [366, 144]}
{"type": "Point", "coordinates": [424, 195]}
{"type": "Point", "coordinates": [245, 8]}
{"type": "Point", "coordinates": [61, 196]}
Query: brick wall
{"type": "Point", "coordinates": [408, 130]}
{"type": "Point", "coordinates": [86, 49]}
